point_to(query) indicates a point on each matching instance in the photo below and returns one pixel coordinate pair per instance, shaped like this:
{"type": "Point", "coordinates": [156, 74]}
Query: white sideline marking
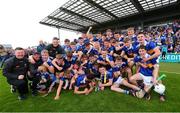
{"type": "Point", "coordinates": [169, 72]}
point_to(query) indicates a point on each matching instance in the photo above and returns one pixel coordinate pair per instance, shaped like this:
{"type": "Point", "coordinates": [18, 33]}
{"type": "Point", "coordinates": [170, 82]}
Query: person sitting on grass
{"type": "Point", "coordinates": [106, 78]}
{"type": "Point", "coordinates": [44, 78]}
{"type": "Point", "coordinates": [47, 62]}
{"type": "Point", "coordinates": [118, 80]}
{"type": "Point", "coordinates": [123, 66]}
{"type": "Point", "coordinates": [154, 53]}
{"type": "Point", "coordinates": [74, 71]}
{"type": "Point", "coordinates": [145, 70]}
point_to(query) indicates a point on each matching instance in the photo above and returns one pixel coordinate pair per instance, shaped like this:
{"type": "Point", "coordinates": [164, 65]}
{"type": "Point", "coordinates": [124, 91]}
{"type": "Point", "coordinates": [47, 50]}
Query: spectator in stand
{"type": "Point", "coordinates": [3, 55]}
{"type": "Point", "coordinates": [177, 35]}
{"type": "Point", "coordinates": [169, 44]}
{"type": "Point", "coordinates": [177, 48]}
{"type": "Point", "coordinates": [41, 46]}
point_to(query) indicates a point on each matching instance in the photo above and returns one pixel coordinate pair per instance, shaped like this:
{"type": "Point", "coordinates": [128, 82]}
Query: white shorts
{"type": "Point", "coordinates": [119, 80]}
{"type": "Point", "coordinates": [147, 80]}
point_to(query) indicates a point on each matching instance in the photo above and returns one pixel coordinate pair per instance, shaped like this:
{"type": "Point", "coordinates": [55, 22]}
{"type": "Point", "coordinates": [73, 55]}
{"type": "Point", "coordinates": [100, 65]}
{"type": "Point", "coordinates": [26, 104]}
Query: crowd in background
{"type": "Point", "coordinates": [166, 36]}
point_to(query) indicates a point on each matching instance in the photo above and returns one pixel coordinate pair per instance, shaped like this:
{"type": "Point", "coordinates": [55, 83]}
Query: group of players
{"type": "Point", "coordinates": [93, 63]}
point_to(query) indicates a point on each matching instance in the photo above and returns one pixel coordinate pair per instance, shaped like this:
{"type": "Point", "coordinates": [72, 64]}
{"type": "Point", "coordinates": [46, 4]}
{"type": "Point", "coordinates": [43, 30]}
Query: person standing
{"type": "Point", "coordinates": [55, 48]}
{"type": "Point", "coordinates": [41, 46]}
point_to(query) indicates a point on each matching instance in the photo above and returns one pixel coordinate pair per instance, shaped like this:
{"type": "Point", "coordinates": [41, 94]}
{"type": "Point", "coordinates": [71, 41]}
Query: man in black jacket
{"type": "Point", "coordinates": [15, 70]}
{"type": "Point", "coordinates": [55, 48]}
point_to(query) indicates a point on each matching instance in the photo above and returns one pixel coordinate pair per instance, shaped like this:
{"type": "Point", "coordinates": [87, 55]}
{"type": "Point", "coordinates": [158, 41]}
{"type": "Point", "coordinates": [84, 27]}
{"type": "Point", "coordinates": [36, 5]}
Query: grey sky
{"type": "Point", "coordinates": [19, 24]}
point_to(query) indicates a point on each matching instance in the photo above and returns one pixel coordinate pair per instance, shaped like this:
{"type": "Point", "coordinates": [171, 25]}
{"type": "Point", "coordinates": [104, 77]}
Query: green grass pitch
{"type": "Point", "coordinates": [106, 101]}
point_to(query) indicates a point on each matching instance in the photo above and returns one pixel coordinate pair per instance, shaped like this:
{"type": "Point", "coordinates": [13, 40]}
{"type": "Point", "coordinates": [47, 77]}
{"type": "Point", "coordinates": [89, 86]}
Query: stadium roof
{"type": "Point", "coordinates": [79, 15]}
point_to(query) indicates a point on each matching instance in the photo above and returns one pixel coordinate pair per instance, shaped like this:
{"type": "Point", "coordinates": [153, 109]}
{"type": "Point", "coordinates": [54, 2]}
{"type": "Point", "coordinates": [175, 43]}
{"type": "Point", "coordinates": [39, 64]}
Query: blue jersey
{"type": "Point", "coordinates": [86, 40]}
{"type": "Point", "coordinates": [95, 39]}
{"type": "Point", "coordinates": [64, 67]}
{"type": "Point", "coordinates": [100, 58]}
{"type": "Point", "coordinates": [49, 62]}
{"type": "Point", "coordinates": [134, 38]}
{"type": "Point", "coordinates": [72, 61]}
{"type": "Point", "coordinates": [112, 48]}
{"type": "Point", "coordinates": [81, 80]}
{"type": "Point", "coordinates": [146, 71]}
{"type": "Point", "coordinates": [67, 48]}
{"type": "Point", "coordinates": [106, 77]}
{"type": "Point", "coordinates": [80, 47]}
{"type": "Point", "coordinates": [163, 39]}
{"type": "Point", "coordinates": [45, 75]}
{"type": "Point", "coordinates": [89, 65]}
{"type": "Point", "coordinates": [129, 51]}
{"type": "Point", "coordinates": [149, 46]}
{"type": "Point", "coordinates": [91, 51]}
{"type": "Point", "coordinates": [120, 39]}
{"type": "Point", "coordinates": [122, 65]}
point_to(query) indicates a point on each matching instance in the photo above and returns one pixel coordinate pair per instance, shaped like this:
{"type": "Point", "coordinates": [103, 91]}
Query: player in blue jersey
{"type": "Point", "coordinates": [64, 80]}
{"type": "Point", "coordinates": [108, 47]}
{"type": "Point", "coordinates": [105, 59]}
{"type": "Point", "coordinates": [118, 80]}
{"type": "Point", "coordinates": [106, 78]}
{"type": "Point", "coordinates": [128, 52]}
{"type": "Point", "coordinates": [145, 70]}
{"type": "Point", "coordinates": [89, 49]}
{"type": "Point", "coordinates": [48, 64]}
{"type": "Point", "coordinates": [123, 66]}
{"type": "Point", "coordinates": [80, 44]}
{"type": "Point", "coordinates": [153, 51]}
{"type": "Point", "coordinates": [132, 36]}
{"type": "Point", "coordinates": [84, 81]}
{"type": "Point", "coordinates": [71, 59]}
{"type": "Point", "coordinates": [66, 45]}
{"type": "Point", "coordinates": [97, 47]}
{"type": "Point", "coordinates": [118, 37]}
